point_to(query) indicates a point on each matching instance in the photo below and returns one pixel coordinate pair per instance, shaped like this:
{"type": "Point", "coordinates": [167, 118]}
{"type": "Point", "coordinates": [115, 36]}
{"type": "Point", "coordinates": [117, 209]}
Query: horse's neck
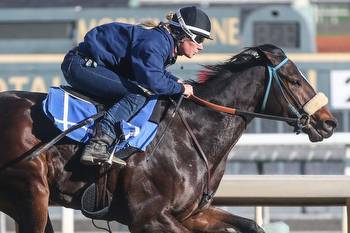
{"type": "Point", "coordinates": [218, 132]}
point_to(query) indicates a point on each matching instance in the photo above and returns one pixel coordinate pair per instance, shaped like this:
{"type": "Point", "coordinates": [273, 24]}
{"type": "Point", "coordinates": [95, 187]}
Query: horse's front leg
{"type": "Point", "coordinates": [219, 221]}
{"type": "Point", "coordinates": [30, 197]}
{"type": "Point", "coordinates": [33, 212]}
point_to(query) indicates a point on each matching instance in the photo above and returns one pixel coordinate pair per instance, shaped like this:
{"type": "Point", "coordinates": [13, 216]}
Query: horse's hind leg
{"type": "Point", "coordinates": [219, 221]}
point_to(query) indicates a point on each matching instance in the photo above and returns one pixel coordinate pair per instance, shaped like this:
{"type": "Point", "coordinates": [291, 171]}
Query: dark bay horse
{"type": "Point", "coordinates": [162, 191]}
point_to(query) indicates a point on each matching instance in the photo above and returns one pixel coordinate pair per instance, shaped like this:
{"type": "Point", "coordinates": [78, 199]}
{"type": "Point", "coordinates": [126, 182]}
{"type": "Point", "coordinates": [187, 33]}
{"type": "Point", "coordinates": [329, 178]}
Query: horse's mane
{"type": "Point", "coordinates": [248, 57]}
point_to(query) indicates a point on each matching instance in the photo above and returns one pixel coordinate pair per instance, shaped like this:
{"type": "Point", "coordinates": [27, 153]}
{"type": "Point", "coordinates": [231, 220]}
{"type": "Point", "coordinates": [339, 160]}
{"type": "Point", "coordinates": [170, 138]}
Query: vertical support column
{"type": "Point", "coordinates": [67, 220]}
{"type": "Point", "coordinates": [259, 215]}
{"type": "Point", "coordinates": [346, 211]}
{"type": "Point", "coordinates": [2, 223]}
{"type": "Point", "coordinates": [346, 217]}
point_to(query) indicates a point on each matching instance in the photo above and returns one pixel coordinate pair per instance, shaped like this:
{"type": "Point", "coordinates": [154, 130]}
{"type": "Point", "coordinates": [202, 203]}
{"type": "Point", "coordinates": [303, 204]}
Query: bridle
{"type": "Point", "coordinates": [302, 118]}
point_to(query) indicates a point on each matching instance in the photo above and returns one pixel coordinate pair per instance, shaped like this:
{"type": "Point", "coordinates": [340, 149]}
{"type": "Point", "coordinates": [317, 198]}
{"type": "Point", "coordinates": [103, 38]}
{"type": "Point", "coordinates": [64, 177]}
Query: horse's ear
{"type": "Point", "coordinates": [272, 54]}
{"type": "Point", "coordinates": [263, 56]}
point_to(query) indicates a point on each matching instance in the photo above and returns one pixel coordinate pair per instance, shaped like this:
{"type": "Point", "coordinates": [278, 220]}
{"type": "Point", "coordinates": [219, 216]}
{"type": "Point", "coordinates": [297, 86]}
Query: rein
{"type": "Point", "coordinates": [234, 111]}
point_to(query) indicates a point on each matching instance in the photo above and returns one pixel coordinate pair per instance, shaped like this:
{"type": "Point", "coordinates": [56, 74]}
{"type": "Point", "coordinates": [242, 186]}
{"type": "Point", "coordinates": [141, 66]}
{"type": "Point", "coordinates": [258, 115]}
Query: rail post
{"type": "Point", "coordinates": [346, 217]}
{"type": "Point", "coordinates": [2, 223]}
{"type": "Point", "coordinates": [67, 220]}
{"type": "Point", "coordinates": [346, 211]}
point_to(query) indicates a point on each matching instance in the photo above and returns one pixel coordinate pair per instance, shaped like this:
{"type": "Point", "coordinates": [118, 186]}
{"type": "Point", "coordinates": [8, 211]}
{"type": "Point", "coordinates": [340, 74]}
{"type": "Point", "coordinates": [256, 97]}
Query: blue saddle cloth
{"type": "Point", "coordinates": [66, 110]}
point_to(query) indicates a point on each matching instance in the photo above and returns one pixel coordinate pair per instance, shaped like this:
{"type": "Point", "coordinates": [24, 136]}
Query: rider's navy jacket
{"type": "Point", "coordinates": [134, 52]}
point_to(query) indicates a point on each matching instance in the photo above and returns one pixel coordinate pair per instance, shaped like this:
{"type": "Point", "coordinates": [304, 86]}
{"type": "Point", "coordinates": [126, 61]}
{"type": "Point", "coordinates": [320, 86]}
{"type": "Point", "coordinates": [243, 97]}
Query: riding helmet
{"type": "Point", "coordinates": [194, 22]}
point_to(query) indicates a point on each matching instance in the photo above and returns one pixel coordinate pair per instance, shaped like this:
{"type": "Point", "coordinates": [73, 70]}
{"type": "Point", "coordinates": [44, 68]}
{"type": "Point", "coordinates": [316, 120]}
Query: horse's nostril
{"type": "Point", "coordinates": [330, 124]}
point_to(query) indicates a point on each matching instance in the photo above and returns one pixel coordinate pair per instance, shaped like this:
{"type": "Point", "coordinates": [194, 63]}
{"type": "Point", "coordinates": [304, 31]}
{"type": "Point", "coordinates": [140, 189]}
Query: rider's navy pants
{"type": "Point", "coordinates": [101, 82]}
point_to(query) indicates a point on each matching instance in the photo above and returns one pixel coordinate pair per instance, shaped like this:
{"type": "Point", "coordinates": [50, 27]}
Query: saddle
{"type": "Point", "coordinates": [66, 107]}
{"type": "Point", "coordinates": [100, 104]}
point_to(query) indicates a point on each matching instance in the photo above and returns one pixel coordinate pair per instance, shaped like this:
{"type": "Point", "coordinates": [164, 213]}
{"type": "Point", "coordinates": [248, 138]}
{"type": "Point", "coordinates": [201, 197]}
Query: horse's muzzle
{"type": "Point", "coordinates": [327, 127]}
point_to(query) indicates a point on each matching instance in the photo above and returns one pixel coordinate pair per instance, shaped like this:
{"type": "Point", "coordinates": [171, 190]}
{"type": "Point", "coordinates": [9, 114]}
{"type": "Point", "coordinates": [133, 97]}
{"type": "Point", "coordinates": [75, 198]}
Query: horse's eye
{"type": "Point", "coordinates": [295, 82]}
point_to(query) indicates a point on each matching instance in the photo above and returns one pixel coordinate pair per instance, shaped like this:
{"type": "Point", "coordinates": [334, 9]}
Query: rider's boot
{"type": "Point", "coordinates": [96, 151]}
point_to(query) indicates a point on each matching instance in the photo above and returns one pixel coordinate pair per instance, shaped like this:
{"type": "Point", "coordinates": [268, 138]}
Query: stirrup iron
{"type": "Point", "coordinates": [114, 160]}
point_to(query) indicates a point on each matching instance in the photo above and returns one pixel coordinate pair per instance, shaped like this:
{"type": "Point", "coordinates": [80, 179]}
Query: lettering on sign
{"type": "Point", "coordinates": [225, 31]}
{"type": "Point", "coordinates": [25, 83]}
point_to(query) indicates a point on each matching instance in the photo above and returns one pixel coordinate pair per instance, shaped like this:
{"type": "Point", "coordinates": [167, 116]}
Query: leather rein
{"type": "Point", "coordinates": [234, 111]}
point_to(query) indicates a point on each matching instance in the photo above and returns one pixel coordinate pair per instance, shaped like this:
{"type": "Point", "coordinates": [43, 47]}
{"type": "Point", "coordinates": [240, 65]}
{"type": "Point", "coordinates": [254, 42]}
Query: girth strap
{"type": "Point", "coordinates": [207, 195]}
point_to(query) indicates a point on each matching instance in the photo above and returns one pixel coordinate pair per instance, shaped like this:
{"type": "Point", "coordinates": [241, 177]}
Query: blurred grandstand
{"type": "Point", "coordinates": [36, 33]}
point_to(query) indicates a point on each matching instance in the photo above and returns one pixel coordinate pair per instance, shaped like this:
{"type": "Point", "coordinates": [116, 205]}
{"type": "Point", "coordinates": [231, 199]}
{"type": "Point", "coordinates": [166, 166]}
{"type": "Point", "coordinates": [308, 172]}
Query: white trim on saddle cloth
{"type": "Point", "coordinates": [66, 110]}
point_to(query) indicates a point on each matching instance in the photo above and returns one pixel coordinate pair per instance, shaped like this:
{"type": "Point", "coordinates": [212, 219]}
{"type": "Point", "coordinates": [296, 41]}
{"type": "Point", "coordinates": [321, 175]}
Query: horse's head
{"type": "Point", "coordinates": [289, 94]}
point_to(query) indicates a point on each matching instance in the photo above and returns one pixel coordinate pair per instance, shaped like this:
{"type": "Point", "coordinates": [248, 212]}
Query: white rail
{"type": "Point", "coordinates": [290, 139]}
{"type": "Point", "coordinates": [212, 1]}
{"type": "Point", "coordinates": [283, 189]}
{"type": "Point", "coordinates": [299, 190]}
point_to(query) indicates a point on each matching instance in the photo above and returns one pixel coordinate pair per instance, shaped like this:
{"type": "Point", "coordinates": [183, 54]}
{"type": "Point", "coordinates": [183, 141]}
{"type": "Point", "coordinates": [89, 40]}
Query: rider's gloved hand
{"type": "Point", "coordinates": [188, 90]}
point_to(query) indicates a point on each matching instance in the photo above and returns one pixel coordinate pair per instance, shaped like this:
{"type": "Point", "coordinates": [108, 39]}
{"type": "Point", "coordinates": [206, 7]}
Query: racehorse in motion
{"type": "Point", "coordinates": [167, 188]}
